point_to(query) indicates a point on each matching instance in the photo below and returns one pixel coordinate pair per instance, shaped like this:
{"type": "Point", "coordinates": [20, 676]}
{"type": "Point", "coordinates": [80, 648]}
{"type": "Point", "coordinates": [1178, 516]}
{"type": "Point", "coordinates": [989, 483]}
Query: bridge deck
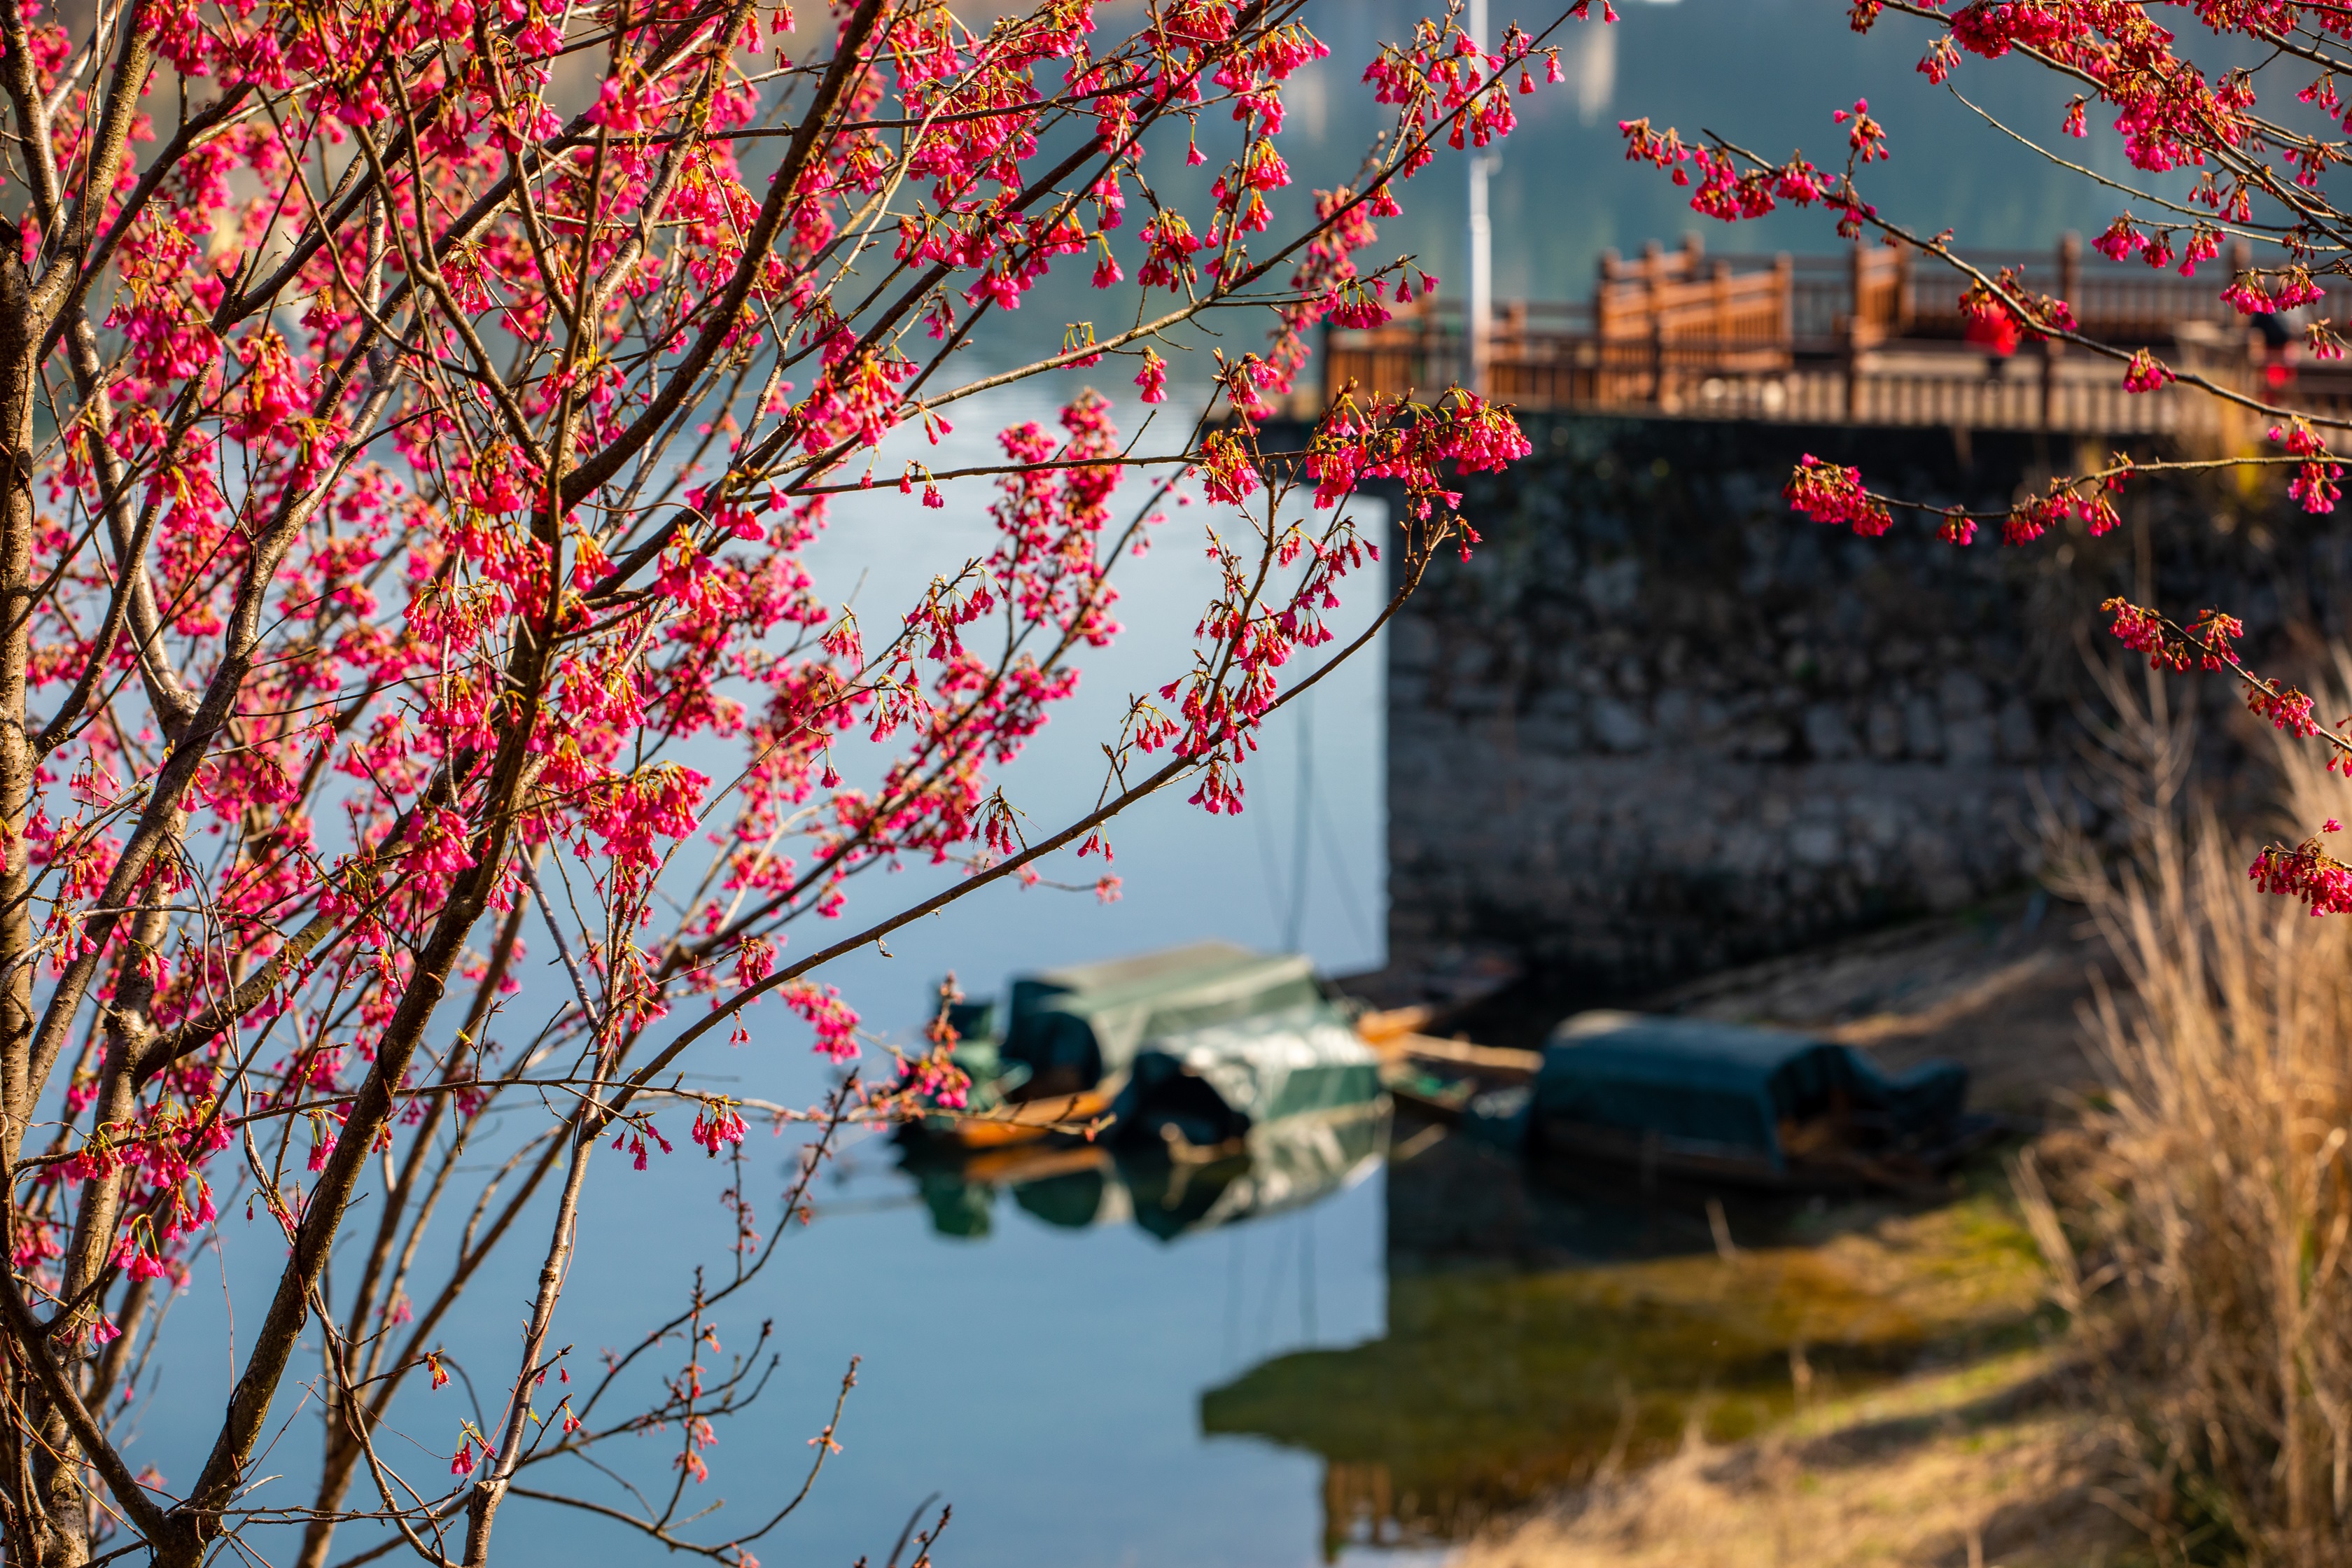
{"type": "Point", "coordinates": [1872, 338]}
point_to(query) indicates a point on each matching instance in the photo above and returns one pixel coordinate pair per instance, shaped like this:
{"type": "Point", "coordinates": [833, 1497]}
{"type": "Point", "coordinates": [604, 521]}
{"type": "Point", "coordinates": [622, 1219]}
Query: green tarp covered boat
{"type": "Point", "coordinates": [1207, 1087]}
{"type": "Point", "coordinates": [1693, 1097]}
{"type": "Point", "coordinates": [1073, 1028]}
{"type": "Point", "coordinates": [1188, 1049]}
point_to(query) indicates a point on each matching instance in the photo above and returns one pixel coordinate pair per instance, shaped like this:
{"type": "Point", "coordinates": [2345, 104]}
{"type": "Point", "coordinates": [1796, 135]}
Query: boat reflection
{"type": "Point", "coordinates": [1276, 1167]}
{"type": "Point", "coordinates": [1076, 1198]}
{"type": "Point", "coordinates": [1071, 1188]}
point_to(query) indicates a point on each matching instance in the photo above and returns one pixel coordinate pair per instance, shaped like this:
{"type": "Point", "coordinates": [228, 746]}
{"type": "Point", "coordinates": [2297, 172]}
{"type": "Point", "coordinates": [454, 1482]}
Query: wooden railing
{"type": "Point", "coordinates": [1873, 336]}
{"type": "Point", "coordinates": [1739, 315]}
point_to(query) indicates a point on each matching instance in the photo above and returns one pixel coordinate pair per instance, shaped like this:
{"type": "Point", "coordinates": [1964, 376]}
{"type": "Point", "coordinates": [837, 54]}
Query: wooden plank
{"type": "Point", "coordinates": [1461, 1053]}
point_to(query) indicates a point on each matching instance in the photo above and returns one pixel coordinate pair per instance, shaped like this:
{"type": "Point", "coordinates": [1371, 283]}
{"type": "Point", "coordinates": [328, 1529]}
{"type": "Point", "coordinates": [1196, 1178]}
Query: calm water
{"type": "Point", "coordinates": [1102, 1365]}
{"type": "Point", "coordinates": [1044, 1380]}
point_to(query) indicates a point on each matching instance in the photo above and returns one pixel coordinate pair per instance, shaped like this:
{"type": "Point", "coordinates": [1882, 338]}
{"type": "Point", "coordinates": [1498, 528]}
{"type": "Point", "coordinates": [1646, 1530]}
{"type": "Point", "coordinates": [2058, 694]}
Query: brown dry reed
{"type": "Point", "coordinates": [2197, 1230]}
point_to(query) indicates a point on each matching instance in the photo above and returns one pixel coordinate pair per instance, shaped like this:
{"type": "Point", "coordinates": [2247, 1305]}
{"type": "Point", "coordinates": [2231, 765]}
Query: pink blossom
{"type": "Point", "coordinates": [1153, 378]}
{"type": "Point", "coordinates": [2146, 373]}
{"type": "Point", "coordinates": [1826, 492]}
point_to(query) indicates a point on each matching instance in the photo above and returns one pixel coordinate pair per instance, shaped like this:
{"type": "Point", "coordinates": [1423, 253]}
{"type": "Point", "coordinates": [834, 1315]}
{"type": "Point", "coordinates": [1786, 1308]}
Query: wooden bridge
{"type": "Point", "coordinates": [1871, 337]}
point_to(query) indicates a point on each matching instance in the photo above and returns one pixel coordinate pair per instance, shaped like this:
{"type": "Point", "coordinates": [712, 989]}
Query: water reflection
{"type": "Point", "coordinates": [1282, 1165]}
{"type": "Point", "coordinates": [1538, 1323]}
{"type": "Point", "coordinates": [1545, 1325]}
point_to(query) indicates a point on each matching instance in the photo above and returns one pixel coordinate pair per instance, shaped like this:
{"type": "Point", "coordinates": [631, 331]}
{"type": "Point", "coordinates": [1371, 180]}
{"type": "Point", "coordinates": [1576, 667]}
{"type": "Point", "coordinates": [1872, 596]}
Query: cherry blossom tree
{"type": "Point", "coordinates": [417, 418]}
{"type": "Point", "coordinates": [2231, 133]}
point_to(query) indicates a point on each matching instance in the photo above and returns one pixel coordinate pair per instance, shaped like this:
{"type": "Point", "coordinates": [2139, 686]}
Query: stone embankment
{"type": "Point", "coordinates": [1659, 724]}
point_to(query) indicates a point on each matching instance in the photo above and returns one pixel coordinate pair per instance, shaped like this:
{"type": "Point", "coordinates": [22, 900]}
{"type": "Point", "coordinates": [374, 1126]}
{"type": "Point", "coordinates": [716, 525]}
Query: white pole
{"type": "Point", "coordinates": [1479, 301]}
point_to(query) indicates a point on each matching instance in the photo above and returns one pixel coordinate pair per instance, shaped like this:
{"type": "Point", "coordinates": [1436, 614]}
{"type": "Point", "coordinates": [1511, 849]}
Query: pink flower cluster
{"type": "Point", "coordinates": [1829, 493]}
{"type": "Point", "coordinates": [2306, 872]}
{"type": "Point", "coordinates": [716, 1125]}
{"type": "Point", "coordinates": [2203, 644]}
{"type": "Point", "coordinates": [2122, 240]}
{"type": "Point", "coordinates": [2313, 485]}
{"type": "Point", "coordinates": [2254, 295]}
{"type": "Point", "coordinates": [2064, 498]}
{"type": "Point", "coordinates": [2146, 373]}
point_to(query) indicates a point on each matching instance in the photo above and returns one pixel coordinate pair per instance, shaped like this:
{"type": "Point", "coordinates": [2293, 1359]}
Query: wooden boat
{"type": "Point", "coordinates": [1018, 1123]}
{"type": "Point", "coordinates": [1070, 1039]}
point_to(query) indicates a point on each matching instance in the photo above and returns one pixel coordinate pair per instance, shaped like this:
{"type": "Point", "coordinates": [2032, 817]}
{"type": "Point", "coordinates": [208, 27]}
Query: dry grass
{"type": "Point", "coordinates": [1974, 1468]}
{"type": "Point", "coordinates": [2199, 1227]}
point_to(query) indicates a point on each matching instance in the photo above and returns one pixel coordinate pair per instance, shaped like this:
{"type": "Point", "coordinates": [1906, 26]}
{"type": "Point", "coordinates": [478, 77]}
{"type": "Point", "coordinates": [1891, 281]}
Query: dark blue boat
{"type": "Point", "coordinates": [1724, 1102]}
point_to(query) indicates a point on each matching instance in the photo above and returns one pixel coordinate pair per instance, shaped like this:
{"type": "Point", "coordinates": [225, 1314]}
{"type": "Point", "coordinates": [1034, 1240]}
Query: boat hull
{"type": "Point", "coordinates": [1047, 1118]}
{"type": "Point", "coordinates": [1826, 1170]}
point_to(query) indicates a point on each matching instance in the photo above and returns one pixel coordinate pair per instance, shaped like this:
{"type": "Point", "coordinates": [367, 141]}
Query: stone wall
{"type": "Point", "coordinates": [1658, 724]}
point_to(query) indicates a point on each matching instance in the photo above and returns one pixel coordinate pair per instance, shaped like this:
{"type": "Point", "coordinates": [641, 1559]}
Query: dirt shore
{"type": "Point", "coordinates": [1988, 1463]}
